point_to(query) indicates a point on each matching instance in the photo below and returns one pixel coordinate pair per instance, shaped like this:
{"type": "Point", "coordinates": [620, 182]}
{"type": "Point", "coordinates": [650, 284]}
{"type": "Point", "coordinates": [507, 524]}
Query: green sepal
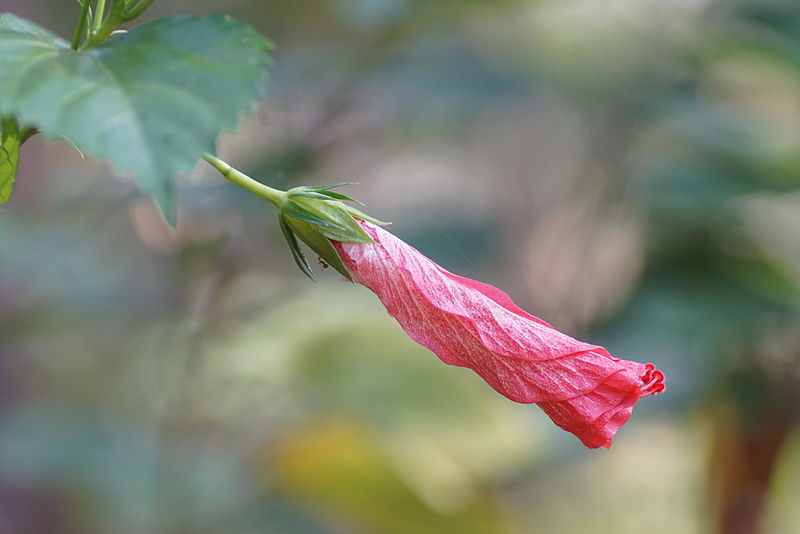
{"type": "Point", "coordinates": [297, 192]}
{"type": "Point", "coordinates": [316, 216]}
{"type": "Point", "coordinates": [321, 193]}
{"type": "Point", "coordinates": [344, 227]}
{"type": "Point", "coordinates": [340, 196]}
{"type": "Point", "coordinates": [311, 235]}
{"type": "Point", "coordinates": [295, 210]}
{"type": "Point", "coordinates": [9, 156]}
{"type": "Point", "coordinates": [319, 188]}
{"type": "Point", "coordinates": [294, 246]}
{"type": "Point", "coordinates": [358, 214]}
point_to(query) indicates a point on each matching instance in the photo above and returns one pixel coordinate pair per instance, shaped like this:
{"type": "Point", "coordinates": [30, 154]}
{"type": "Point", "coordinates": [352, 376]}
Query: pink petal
{"type": "Point", "coordinates": [580, 386]}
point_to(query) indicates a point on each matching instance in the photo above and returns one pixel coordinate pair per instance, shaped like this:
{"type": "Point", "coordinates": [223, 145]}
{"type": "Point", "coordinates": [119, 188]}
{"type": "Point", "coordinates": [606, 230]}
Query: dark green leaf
{"type": "Point", "coordinates": [9, 157]}
{"type": "Point", "coordinates": [152, 100]}
{"type": "Point", "coordinates": [294, 246]}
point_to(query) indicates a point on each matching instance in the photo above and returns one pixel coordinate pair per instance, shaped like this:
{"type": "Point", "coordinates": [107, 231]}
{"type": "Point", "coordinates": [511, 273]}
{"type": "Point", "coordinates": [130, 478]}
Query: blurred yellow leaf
{"type": "Point", "coordinates": [336, 469]}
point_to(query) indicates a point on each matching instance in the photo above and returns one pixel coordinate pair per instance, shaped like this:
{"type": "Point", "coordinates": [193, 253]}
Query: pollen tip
{"type": "Point", "coordinates": [653, 381]}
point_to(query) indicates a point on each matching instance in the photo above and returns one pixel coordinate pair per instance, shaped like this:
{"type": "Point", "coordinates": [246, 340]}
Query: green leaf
{"type": "Point", "coordinates": [299, 257]}
{"type": "Point", "coordinates": [311, 236]}
{"type": "Point", "coordinates": [152, 101]}
{"type": "Point", "coordinates": [9, 157]}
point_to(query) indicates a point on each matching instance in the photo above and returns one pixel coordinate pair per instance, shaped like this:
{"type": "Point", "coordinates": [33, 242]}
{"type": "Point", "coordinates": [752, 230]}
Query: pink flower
{"type": "Point", "coordinates": [580, 386]}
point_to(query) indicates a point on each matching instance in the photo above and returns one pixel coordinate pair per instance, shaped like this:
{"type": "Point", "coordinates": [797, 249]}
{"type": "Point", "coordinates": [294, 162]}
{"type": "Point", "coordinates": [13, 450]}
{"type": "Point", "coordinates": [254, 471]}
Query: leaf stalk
{"type": "Point", "coordinates": [99, 13]}
{"type": "Point", "coordinates": [76, 36]}
{"type": "Point", "coordinates": [136, 9]}
{"type": "Point", "coordinates": [116, 16]}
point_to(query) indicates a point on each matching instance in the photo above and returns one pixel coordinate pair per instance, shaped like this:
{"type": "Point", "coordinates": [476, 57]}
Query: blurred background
{"type": "Point", "coordinates": [629, 170]}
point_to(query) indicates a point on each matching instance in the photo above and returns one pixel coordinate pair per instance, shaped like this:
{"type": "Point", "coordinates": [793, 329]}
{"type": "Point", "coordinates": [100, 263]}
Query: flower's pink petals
{"type": "Point", "coordinates": [493, 293]}
{"type": "Point", "coordinates": [470, 324]}
{"type": "Point", "coordinates": [596, 416]}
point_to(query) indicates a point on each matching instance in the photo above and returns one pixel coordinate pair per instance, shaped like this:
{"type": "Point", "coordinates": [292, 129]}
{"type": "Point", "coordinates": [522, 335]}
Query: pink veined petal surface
{"type": "Point", "coordinates": [467, 323]}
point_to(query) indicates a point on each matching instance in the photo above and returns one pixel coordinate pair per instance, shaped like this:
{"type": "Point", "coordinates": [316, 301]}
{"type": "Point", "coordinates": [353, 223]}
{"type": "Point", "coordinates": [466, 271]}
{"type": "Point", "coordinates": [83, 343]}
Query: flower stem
{"type": "Point", "coordinates": [112, 22]}
{"type": "Point", "coordinates": [99, 13]}
{"type": "Point", "coordinates": [76, 37]}
{"type": "Point", "coordinates": [239, 178]}
{"type": "Point", "coordinates": [138, 9]}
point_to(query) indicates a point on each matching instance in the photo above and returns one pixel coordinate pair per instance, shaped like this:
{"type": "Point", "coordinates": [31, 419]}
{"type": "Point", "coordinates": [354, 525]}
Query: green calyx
{"type": "Point", "coordinates": [10, 141]}
{"type": "Point", "coordinates": [316, 215]}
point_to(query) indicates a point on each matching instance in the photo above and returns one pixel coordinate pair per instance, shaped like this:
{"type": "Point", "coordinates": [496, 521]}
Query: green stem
{"type": "Point", "coordinates": [100, 12]}
{"type": "Point", "coordinates": [273, 195]}
{"type": "Point", "coordinates": [76, 37]}
{"type": "Point", "coordinates": [138, 9]}
{"type": "Point", "coordinates": [112, 22]}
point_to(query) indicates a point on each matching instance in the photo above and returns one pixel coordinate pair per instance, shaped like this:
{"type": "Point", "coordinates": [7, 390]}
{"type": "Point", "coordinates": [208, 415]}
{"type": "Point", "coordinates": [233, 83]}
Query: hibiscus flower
{"type": "Point", "coordinates": [466, 323]}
